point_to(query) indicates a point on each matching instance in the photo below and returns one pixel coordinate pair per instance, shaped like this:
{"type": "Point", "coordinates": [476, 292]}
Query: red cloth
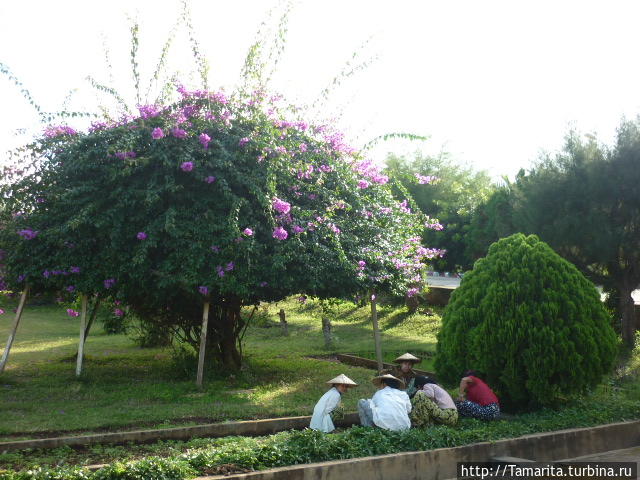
{"type": "Point", "coordinates": [480, 393]}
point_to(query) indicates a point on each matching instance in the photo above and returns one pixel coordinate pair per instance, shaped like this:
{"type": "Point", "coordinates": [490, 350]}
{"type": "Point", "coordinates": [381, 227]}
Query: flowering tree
{"type": "Point", "coordinates": [229, 200]}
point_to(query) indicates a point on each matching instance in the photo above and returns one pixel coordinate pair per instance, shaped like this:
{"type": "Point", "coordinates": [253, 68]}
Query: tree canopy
{"type": "Point", "coordinates": [233, 199]}
{"type": "Point", "coordinates": [530, 322]}
{"type": "Point", "coordinates": [455, 192]}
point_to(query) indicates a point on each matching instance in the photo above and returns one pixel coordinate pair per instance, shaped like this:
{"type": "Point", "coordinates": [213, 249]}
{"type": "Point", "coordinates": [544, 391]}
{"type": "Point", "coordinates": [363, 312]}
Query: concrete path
{"type": "Point", "coordinates": [624, 455]}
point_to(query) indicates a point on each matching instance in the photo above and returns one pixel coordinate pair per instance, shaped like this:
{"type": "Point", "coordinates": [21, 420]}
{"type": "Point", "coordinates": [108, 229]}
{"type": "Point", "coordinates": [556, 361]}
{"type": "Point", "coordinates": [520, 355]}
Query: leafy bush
{"type": "Point", "coordinates": [531, 322]}
{"type": "Point", "coordinates": [299, 447]}
{"type": "Point", "coordinates": [221, 198]}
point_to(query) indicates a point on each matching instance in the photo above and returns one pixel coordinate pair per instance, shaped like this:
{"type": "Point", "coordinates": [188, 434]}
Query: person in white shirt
{"type": "Point", "coordinates": [329, 407]}
{"type": "Point", "coordinates": [389, 407]}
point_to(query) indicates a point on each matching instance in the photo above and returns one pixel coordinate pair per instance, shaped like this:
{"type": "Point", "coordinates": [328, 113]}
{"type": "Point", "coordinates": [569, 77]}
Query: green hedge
{"type": "Point", "coordinates": [299, 447]}
{"type": "Point", "coordinates": [530, 322]}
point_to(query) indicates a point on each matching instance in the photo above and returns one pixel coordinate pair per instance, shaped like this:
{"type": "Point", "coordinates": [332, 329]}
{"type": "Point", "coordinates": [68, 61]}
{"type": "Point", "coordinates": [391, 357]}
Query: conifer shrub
{"type": "Point", "coordinates": [530, 322]}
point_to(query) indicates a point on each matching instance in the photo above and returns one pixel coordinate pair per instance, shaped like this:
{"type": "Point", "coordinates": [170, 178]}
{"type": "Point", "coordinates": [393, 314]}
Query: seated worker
{"type": "Point", "coordinates": [404, 371]}
{"type": "Point", "coordinates": [329, 407]}
{"type": "Point", "coordinates": [432, 404]}
{"type": "Point", "coordinates": [476, 399]}
{"type": "Point", "coordinates": [388, 408]}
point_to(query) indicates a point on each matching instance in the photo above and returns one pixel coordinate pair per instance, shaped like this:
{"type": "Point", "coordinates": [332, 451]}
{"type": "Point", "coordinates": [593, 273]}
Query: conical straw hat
{"type": "Point", "coordinates": [342, 379]}
{"type": "Point", "coordinates": [377, 381]}
{"type": "Point", "coordinates": [407, 357]}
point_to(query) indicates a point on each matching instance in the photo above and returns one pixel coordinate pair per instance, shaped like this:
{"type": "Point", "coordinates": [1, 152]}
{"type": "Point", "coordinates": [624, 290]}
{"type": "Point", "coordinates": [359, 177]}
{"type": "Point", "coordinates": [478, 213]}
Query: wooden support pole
{"type": "Point", "coordinates": [203, 343]}
{"type": "Point", "coordinates": [12, 335]}
{"type": "Point", "coordinates": [376, 331]}
{"type": "Point", "coordinates": [83, 323]}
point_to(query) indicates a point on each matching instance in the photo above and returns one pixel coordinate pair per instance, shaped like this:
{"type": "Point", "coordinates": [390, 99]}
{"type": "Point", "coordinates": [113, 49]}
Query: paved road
{"type": "Point", "coordinates": [455, 282]}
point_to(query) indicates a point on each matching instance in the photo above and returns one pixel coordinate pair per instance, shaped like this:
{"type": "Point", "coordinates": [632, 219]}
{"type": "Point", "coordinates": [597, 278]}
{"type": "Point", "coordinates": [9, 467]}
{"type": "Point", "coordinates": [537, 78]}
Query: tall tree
{"type": "Point", "coordinates": [454, 193]}
{"type": "Point", "coordinates": [229, 200]}
{"type": "Point", "coordinates": [585, 202]}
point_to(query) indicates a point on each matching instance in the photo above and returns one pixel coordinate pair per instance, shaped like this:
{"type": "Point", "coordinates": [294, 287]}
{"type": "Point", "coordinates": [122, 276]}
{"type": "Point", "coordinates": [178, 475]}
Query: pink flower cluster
{"type": "Point", "coordinates": [280, 233]}
{"type": "Point", "coordinates": [124, 155]}
{"type": "Point", "coordinates": [370, 171]}
{"type": "Point", "coordinates": [425, 179]}
{"type": "Point", "coordinates": [433, 224]}
{"type": "Point", "coordinates": [28, 234]}
{"type": "Point", "coordinates": [72, 313]}
{"type": "Point", "coordinates": [57, 130]}
{"type": "Point", "coordinates": [281, 206]}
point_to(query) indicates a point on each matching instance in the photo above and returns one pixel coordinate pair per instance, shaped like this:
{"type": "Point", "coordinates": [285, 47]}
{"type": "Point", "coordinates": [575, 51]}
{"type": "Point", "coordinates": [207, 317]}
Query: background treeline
{"type": "Point", "coordinates": [584, 201]}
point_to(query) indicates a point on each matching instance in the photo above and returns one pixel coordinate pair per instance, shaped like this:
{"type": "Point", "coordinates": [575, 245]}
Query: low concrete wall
{"type": "Point", "coordinates": [249, 428]}
{"type": "Point", "coordinates": [441, 463]}
{"type": "Point", "coordinates": [372, 364]}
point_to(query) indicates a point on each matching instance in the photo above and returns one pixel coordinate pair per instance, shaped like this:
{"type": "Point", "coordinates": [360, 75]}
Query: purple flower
{"type": "Point", "coordinates": [363, 184]}
{"type": "Point", "coordinates": [425, 179]}
{"type": "Point", "coordinates": [72, 313]}
{"type": "Point", "coordinates": [297, 229]}
{"type": "Point", "coordinates": [70, 288]}
{"type": "Point", "coordinates": [361, 264]}
{"type": "Point", "coordinates": [220, 271]}
{"type": "Point", "coordinates": [243, 141]}
{"type": "Point", "coordinates": [215, 249]}
{"type": "Point", "coordinates": [280, 233]}
{"type": "Point", "coordinates": [1, 311]}
{"type": "Point", "coordinates": [178, 132]}
{"type": "Point", "coordinates": [210, 179]}
{"type": "Point", "coordinates": [141, 236]}
{"type": "Point", "coordinates": [204, 139]}
{"type": "Point", "coordinates": [248, 232]}
{"type": "Point", "coordinates": [55, 131]}
{"type": "Point", "coordinates": [412, 292]}
{"type": "Point", "coordinates": [303, 147]}
{"type": "Point", "coordinates": [46, 274]}
{"type": "Point", "coordinates": [109, 282]}
{"type": "Point", "coordinates": [325, 168]}
{"type": "Point", "coordinates": [149, 111]}
{"type": "Point", "coordinates": [302, 298]}
{"type": "Point", "coordinates": [157, 133]}
{"type": "Point", "coordinates": [263, 284]}
{"type": "Point", "coordinates": [203, 290]}
{"type": "Point", "coordinates": [118, 312]}
{"type": "Point", "coordinates": [28, 234]}
{"type": "Point", "coordinates": [74, 269]}
{"type": "Point", "coordinates": [281, 206]}
{"type": "Point", "coordinates": [117, 302]}
{"type": "Point", "coordinates": [230, 266]}
{"type": "Point", "coordinates": [21, 278]}
{"type": "Point", "coordinates": [186, 166]}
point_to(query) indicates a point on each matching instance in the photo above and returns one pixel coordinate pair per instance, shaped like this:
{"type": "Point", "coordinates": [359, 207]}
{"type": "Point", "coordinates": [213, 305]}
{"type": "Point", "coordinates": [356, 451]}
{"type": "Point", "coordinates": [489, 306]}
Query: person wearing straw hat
{"type": "Point", "coordinates": [404, 371]}
{"type": "Point", "coordinates": [329, 407]}
{"type": "Point", "coordinates": [389, 407]}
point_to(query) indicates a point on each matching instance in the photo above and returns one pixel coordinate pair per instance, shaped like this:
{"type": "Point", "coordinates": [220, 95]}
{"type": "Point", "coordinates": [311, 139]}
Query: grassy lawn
{"type": "Point", "coordinates": [124, 386]}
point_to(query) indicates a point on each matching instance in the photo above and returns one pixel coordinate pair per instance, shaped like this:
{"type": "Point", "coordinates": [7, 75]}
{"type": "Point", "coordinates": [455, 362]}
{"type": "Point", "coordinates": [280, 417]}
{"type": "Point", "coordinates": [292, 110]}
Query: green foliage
{"type": "Point", "coordinates": [530, 322]}
{"type": "Point", "coordinates": [163, 223]}
{"type": "Point", "coordinates": [451, 198]}
{"type": "Point", "coordinates": [201, 456]}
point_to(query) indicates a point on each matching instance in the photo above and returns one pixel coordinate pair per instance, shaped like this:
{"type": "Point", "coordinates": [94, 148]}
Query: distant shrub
{"type": "Point", "coordinates": [531, 322]}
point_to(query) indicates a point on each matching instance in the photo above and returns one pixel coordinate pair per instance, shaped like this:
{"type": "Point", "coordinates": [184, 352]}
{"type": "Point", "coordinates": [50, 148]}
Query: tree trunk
{"type": "Point", "coordinates": [223, 336]}
{"type": "Point", "coordinates": [627, 314]}
{"type": "Point", "coordinates": [283, 322]}
{"type": "Point", "coordinates": [326, 331]}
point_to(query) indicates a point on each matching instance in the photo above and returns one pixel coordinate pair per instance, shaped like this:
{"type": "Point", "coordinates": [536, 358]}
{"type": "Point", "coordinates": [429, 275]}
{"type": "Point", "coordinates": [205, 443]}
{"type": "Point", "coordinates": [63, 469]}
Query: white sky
{"type": "Point", "coordinates": [492, 82]}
